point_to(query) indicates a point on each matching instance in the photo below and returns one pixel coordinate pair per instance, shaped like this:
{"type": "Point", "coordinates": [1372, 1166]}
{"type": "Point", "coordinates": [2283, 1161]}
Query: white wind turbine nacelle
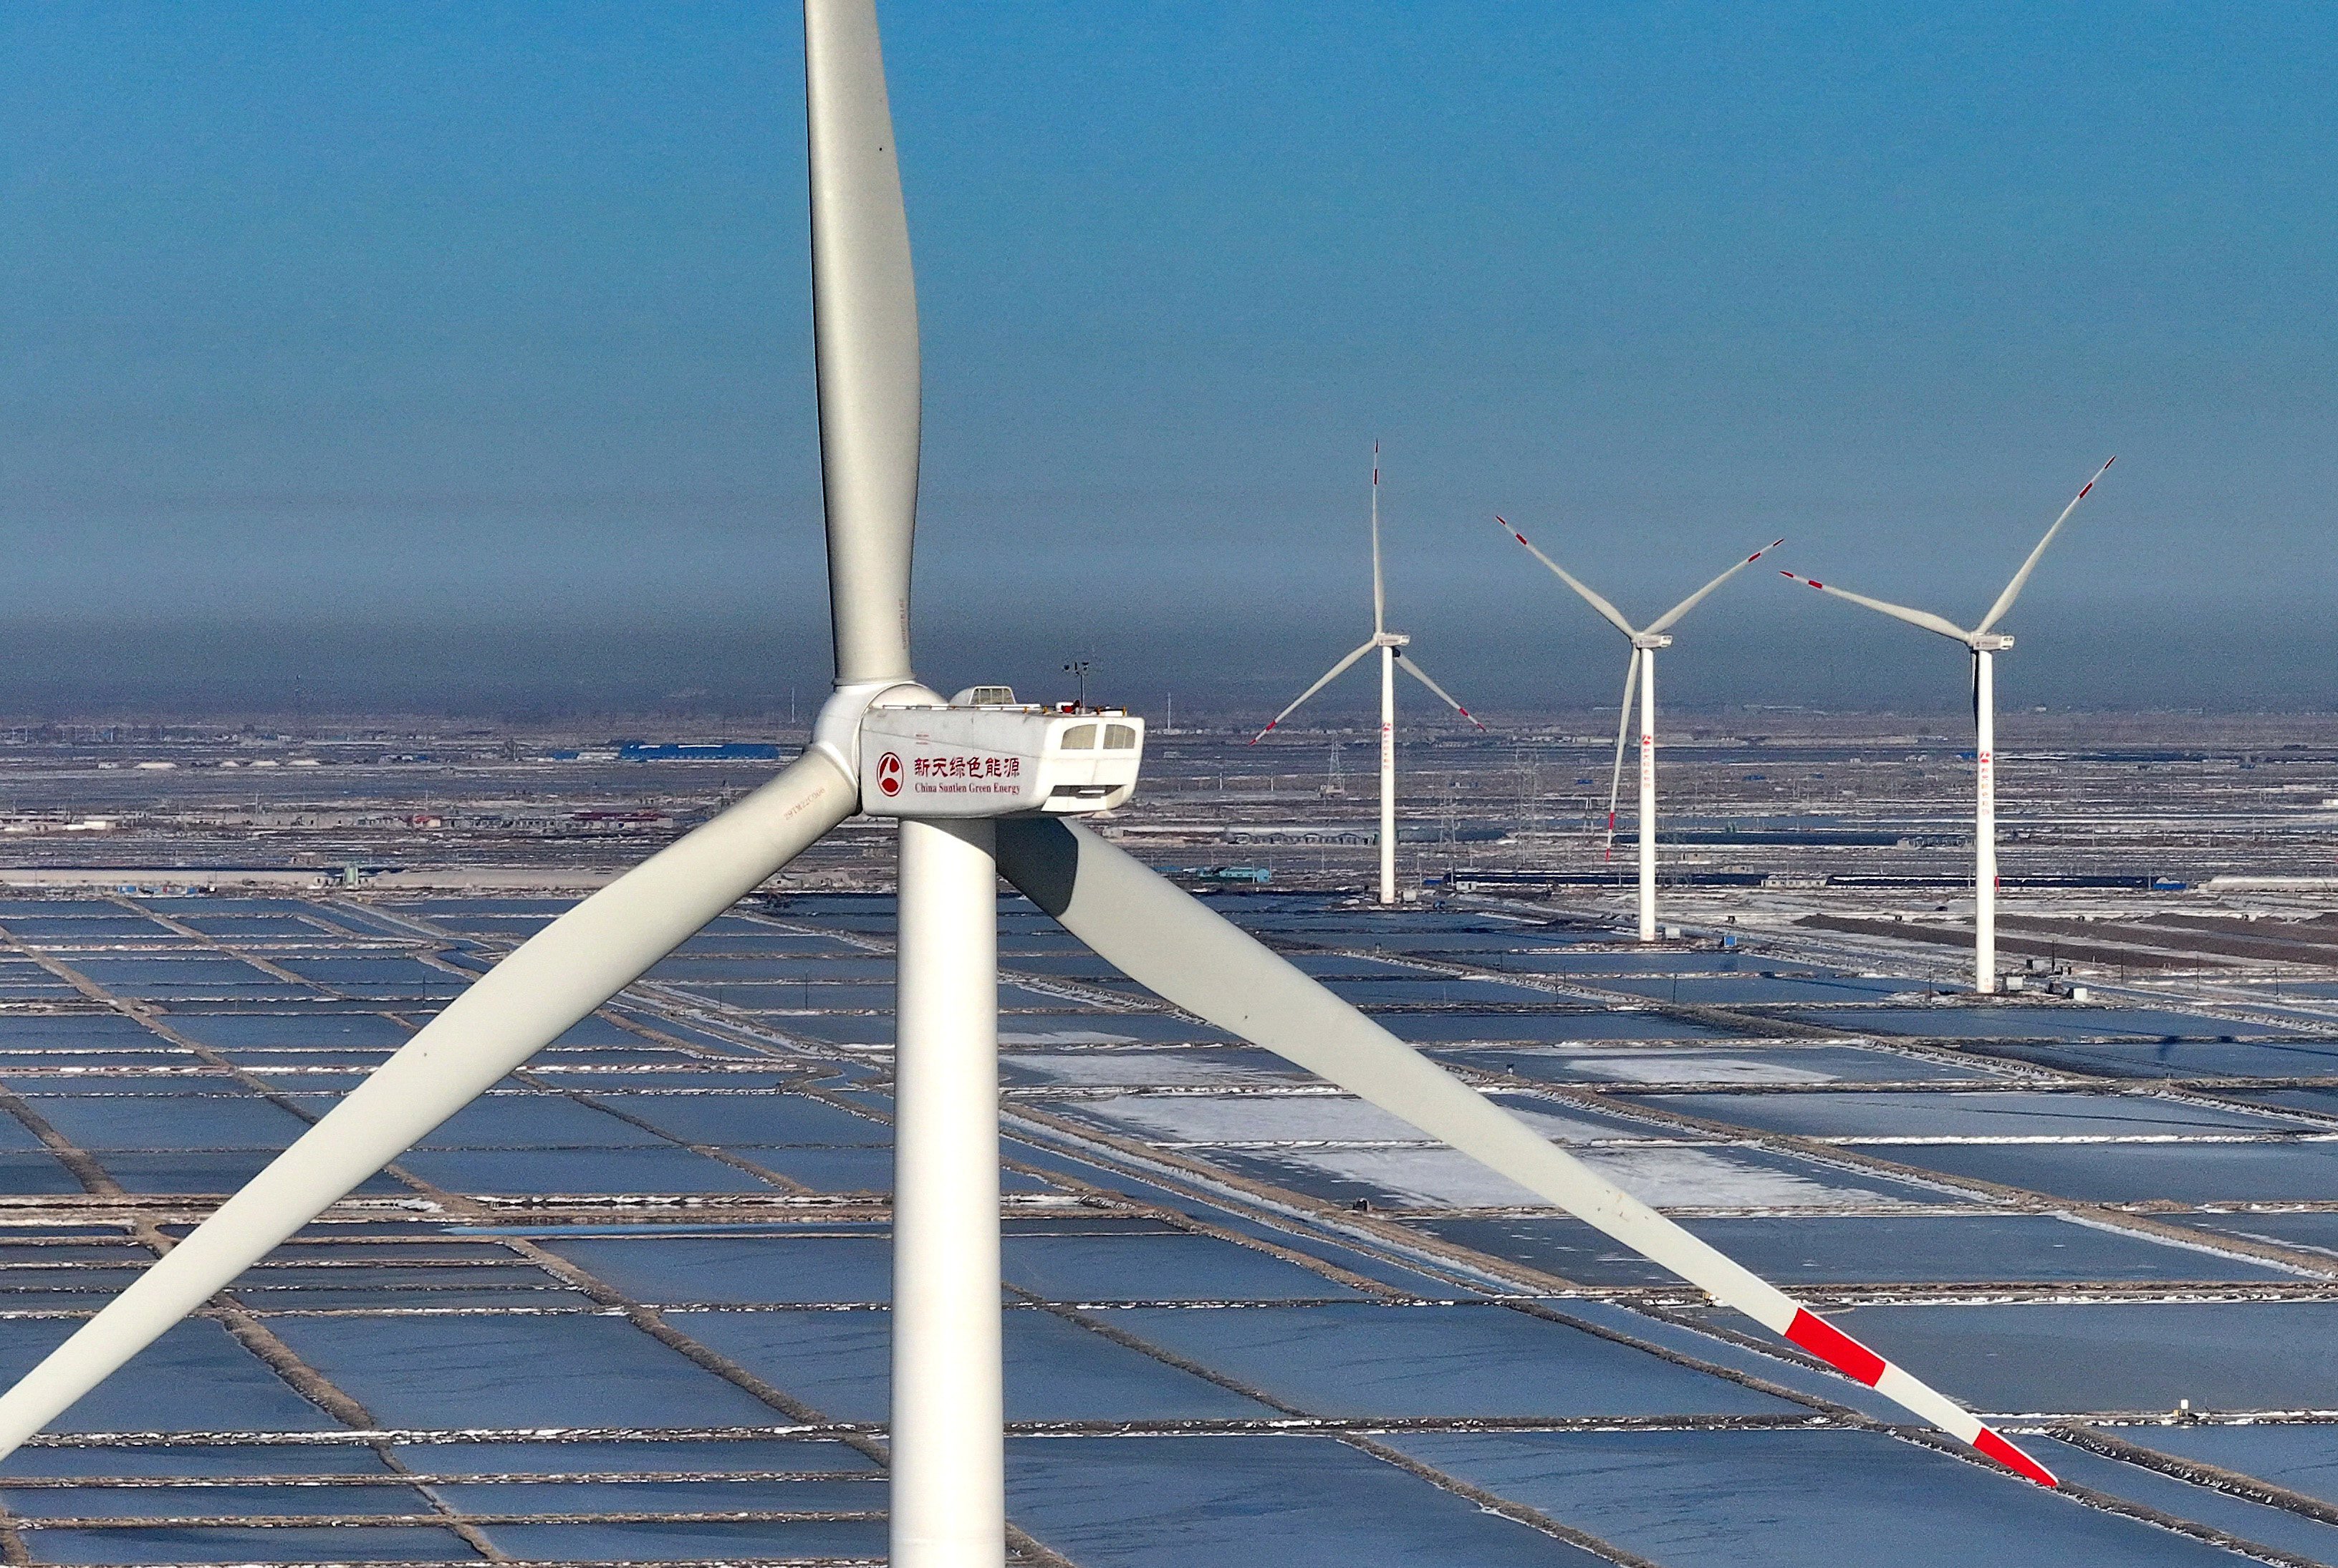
{"type": "Point", "coordinates": [947, 1438]}
{"type": "Point", "coordinates": [1390, 646]}
{"type": "Point", "coordinates": [1640, 672]}
{"type": "Point", "coordinates": [1984, 646]}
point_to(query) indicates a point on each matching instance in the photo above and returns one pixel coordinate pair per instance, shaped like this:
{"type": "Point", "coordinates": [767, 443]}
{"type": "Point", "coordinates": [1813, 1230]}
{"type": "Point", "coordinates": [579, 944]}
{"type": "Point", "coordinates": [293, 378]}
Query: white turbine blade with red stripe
{"type": "Point", "coordinates": [1406, 664]}
{"type": "Point", "coordinates": [555, 979]}
{"type": "Point", "coordinates": [1176, 947]}
{"type": "Point", "coordinates": [1622, 730]}
{"type": "Point", "coordinates": [1924, 618]}
{"type": "Point", "coordinates": [1665, 622]}
{"type": "Point", "coordinates": [2021, 578]}
{"type": "Point", "coordinates": [1333, 673]}
{"type": "Point", "coordinates": [1615, 617]}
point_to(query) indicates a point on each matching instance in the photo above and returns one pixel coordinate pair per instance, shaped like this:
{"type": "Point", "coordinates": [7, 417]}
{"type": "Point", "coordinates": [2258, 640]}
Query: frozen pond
{"type": "Point", "coordinates": [633, 1306]}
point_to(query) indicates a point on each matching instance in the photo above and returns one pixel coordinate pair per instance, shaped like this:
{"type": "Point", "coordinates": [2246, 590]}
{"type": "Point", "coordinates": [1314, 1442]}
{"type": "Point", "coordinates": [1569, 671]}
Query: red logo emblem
{"type": "Point", "coordinates": [888, 775]}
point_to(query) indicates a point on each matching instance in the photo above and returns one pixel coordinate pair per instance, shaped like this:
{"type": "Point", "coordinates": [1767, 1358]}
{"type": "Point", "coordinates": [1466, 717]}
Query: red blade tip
{"type": "Point", "coordinates": [2014, 1459]}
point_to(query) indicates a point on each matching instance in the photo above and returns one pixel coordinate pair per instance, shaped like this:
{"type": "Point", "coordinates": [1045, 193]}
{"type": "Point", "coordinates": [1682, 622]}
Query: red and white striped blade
{"type": "Point", "coordinates": [1623, 728]}
{"type": "Point", "coordinates": [1924, 618]}
{"type": "Point", "coordinates": [1405, 663]}
{"type": "Point", "coordinates": [1333, 673]}
{"type": "Point", "coordinates": [1612, 616]}
{"type": "Point", "coordinates": [1666, 621]}
{"type": "Point", "coordinates": [1182, 950]}
{"type": "Point", "coordinates": [2029, 564]}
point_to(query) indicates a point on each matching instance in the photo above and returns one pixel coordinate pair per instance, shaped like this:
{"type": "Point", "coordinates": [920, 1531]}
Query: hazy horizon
{"type": "Point", "coordinates": [1517, 670]}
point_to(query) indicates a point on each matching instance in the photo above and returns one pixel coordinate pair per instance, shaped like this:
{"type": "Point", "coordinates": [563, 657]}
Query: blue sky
{"type": "Point", "coordinates": [416, 345]}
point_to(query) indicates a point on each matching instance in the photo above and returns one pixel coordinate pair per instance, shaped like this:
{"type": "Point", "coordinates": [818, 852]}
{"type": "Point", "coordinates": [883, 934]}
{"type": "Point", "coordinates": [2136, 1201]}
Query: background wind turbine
{"type": "Point", "coordinates": [1985, 646]}
{"type": "Point", "coordinates": [1641, 669]}
{"type": "Point", "coordinates": [1391, 646]}
{"type": "Point", "coordinates": [987, 811]}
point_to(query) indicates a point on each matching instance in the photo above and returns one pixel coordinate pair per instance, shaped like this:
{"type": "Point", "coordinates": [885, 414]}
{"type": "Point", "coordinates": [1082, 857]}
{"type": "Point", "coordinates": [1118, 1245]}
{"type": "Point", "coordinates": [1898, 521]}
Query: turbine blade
{"type": "Point", "coordinates": [1172, 943]}
{"type": "Point", "coordinates": [2021, 578]}
{"type": "Point", "coordinates": [1418, 673]}
{"type": "Point", "coordinates": [1379, 591]}
{"type": "Point", "coordinates": [512, 1012]}
{"type": "Point", "coordinates": [1623, 728]}
{"type": "Point", "coordinates": [1665, 622]}
{"type": "Point", "coordinates": [1333, 673]}
{"type": "Point", "coordinates": [1614, 616]}
{"type": "Point", "coordinates": [1924, 618]}
{"type": "Point", "coordinates": [865, 341]}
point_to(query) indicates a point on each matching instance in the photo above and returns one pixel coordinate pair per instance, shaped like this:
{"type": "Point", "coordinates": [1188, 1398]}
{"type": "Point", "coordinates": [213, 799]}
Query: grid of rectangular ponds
{"type": "Point", "coordinates": [630, 1307]}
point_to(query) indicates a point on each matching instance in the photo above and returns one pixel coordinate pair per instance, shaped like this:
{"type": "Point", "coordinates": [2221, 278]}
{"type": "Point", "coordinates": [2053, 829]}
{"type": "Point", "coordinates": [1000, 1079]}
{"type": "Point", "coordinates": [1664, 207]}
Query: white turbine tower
{"type": "Point", "coordinates": [1985, 646]}
{"type": "Point", "coordinates": [1391, 646]}
{"type": "Point", "coordinates": [1640, 669]}
{"type": "Point", "coordinates": [978, 788]}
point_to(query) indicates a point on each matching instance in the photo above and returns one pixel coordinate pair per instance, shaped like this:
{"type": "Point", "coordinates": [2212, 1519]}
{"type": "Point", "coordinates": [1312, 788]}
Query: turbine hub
{"type": "Point", "coordinates": [1650, 641]}
{"type": "Point", "coordinates": [1390, 639]}
{"type": "Point", "coordinates": [1990, 642]}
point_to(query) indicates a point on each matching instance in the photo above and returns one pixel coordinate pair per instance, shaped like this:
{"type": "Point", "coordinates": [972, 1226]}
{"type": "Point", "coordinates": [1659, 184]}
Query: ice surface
{"type": "Point", "coordinates": [1376, 1361]}
{"type": "Point", "coordinates": [1731, 990]}
{"type": "Point", "coordinates": [438, 1325]}
{"type": "Point", "coordinates": [1303, 1118]}
{"type": "Point", "coordinates": [1460, 1026]}
{"type": "Point", "coordinates": [1797, 1499]}
{"type": "Point", "coordinates": [1848, 1249]}
{"type": "Point", "coordinates": [194, 1378]}
{"type": "Point", "coordinates": [2140, 1356]}
{"type": "Point", "coordinates": [1255, 1502]}
{"type": "Point", "coordinates": [2025, 1021]}
{"type": "Point", "coordinates": [2302, 1457]}
{"type": "Point", "coordinates": [745, 1270]}
{"type": "Point", "coordinates": [1195, 1065]}
{"type": "Point", "coordinates": [2194, 1172]}
{"type": "Point", "coordinates": [171, 1120]}
{"type": "Point", "coordinates": [2253, 1522]}
{"type": "Point", "coordinates": [693, 1540]}
{"type": "Point", "coordinates": [243, 1544]}
{"type": "Point", "coordinates": [532, 1172]}
{"type": "Point", "coordinates": [747, 1119]}
{"type": "Point", "coordinates": [504, 1372]}
{"type": "Point", "coordinates": [1055, 1370]}
{"type": "Point", "coordinates": [1168, 1266]}
{"type": "Point", "coordinates": [1667, 1177]}
{"type": "Point", "coordinates": [1968, 1113]}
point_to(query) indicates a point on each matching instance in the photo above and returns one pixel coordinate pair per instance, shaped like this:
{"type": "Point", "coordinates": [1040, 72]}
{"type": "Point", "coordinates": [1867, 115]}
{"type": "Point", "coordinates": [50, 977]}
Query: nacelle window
{"type": "Point", "coordinates": [1079, 738]}
{"type": "Point", "coordinates": [1120, 737]}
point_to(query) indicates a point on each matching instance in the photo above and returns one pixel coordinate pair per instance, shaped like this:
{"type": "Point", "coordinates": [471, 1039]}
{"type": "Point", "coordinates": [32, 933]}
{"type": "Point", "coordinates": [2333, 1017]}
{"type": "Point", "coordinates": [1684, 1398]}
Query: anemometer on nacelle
{"type": "Point", "coordinates": [984, 754]}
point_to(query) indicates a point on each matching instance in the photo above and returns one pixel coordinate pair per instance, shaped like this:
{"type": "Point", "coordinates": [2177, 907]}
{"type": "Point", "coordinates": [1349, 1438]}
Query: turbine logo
{"type": "Point", "coordinates": [888, 775]}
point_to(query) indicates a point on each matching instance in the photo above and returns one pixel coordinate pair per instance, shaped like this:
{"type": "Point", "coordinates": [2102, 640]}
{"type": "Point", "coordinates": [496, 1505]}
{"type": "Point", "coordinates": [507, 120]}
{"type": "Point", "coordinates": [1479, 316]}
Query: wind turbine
{"type": "Point", "coordinates": [979, 789]}
{"type": "Point", "coordinates": [1641, 668]}
{"type": "Point", "coordinates": [1986, 645]}
{"type": "Point", "coordinates": [1391, 646]}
